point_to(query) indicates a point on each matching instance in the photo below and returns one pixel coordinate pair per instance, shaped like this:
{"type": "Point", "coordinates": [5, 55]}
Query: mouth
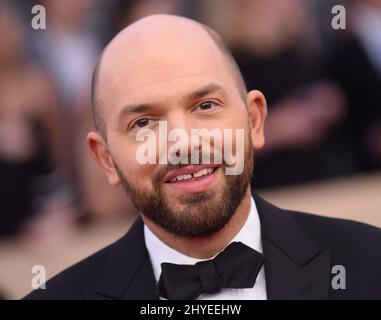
{"type": "Point", "coordinates": [191, 179]}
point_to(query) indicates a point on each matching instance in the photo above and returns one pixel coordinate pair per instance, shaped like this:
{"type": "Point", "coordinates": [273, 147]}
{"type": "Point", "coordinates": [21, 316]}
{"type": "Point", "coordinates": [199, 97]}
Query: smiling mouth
{"type": "Point", "coordinates": [192, 178]}
{"type": "Point", "coordinates": [189, 177]}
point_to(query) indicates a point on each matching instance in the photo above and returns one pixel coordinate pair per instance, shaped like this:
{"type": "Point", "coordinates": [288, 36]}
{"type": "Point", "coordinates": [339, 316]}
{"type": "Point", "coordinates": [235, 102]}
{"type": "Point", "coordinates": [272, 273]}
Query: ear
{"type": "Point", "coordinates": [101, 153]}
{"type": "Point", "coordinates": [257, 110]}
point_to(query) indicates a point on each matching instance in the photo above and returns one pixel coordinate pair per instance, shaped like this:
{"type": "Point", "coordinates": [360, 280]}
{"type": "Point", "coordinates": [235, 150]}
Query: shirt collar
{"type": "Point", "coordinates": [159, 252]}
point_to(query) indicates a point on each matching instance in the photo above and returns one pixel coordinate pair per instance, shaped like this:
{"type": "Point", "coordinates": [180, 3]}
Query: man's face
{"type": "Point", "coordinates": [188, 87]}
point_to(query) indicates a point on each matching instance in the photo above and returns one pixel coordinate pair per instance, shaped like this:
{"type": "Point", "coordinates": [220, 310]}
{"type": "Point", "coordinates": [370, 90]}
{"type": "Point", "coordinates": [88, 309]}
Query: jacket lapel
{"type": "Point", "coordinates": [295, 268]}
{"type": "Point", "coordinates": [127, 273]}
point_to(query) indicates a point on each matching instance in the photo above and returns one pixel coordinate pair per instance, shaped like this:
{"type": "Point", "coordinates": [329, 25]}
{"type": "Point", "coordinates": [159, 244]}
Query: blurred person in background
{"type": "Point", "coordinates": [278, 50]}
{"type": "Point", "coordinates": [68, 48]}
{"type": "Point", "coordinates": [356, 65]}
{"type": "Point", "coordinates": [31, 146]}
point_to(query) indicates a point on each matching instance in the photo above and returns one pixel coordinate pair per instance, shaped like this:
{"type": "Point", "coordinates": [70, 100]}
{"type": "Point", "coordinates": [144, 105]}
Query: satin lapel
{"type": "Point", "coordinates": [295, 268]}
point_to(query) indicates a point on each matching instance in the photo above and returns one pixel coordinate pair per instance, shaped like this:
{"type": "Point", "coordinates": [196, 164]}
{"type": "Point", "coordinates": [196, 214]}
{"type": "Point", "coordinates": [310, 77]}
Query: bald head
{"type": "Point", "coordinates": [150, 47]}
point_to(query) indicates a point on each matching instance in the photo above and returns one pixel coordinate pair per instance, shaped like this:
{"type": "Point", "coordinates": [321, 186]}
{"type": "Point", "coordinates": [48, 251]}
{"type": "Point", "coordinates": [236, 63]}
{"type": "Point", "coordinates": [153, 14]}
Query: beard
{"type": "Point", "coordinates": [198, 215]}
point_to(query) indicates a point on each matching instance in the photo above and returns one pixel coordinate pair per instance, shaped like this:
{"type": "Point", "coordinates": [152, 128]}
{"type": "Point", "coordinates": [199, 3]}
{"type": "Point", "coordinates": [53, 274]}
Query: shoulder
{"type": "Point", "coordinates": [114, 265]}
{"type": "Point", "coordinates": [353, 245]}
{"type": "Point", "coordinates": [72, 282]}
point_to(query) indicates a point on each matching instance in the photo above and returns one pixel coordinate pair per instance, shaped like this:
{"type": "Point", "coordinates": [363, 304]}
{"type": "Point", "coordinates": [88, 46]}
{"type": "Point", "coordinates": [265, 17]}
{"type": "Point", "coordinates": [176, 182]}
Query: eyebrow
{"type": "Point", "coordinates": [129, 110]}
{"type": "Point", "coordinates": [199, 93]}
{"type": "Point", "coordinates": [146, 107]}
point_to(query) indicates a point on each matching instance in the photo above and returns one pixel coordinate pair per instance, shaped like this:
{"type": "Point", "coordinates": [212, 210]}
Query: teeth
{"type": "Point", "coordinates": [200, 173]}
{"type": "Point", "coordinates": [197, 174]}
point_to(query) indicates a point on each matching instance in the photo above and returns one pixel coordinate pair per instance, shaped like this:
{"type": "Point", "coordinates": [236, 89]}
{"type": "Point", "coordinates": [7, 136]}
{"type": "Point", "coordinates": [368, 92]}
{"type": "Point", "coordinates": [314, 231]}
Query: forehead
{"type": "Point", "coordinates": [159, 65]}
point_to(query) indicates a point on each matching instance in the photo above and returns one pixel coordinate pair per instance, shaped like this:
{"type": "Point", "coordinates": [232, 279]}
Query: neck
{"type": "Point", "coordinates": [205, 247]}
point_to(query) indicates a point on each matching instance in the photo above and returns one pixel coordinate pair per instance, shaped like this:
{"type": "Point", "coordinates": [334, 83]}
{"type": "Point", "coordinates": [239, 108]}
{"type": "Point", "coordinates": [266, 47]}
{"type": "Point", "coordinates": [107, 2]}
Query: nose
{"type": "Point", "coordinates": [182, 145]}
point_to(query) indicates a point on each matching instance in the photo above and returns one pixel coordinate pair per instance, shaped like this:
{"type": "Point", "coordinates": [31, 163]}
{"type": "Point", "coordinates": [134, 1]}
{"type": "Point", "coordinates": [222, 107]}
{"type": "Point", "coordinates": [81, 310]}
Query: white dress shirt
{"type": "Point", "coordinates": [250, 235]}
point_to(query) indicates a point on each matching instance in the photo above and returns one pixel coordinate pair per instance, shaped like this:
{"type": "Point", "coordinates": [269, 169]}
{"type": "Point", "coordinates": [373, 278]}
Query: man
{"type": "Point", "coordinates": [201, 233]}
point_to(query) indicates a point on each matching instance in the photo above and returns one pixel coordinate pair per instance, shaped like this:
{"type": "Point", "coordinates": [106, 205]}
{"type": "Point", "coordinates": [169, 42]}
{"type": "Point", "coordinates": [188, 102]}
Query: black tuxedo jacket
{"type": "Point", "coordinates": [300, 251]}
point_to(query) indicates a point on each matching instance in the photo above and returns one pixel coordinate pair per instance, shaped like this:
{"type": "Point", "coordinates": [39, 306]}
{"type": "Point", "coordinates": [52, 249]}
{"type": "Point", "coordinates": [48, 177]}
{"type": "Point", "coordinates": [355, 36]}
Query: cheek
{"type": "Point", "coordinates": [139, 174]}
{"type": "Point", "coordinates": [124, 151]}
{"type": "Point", "coordinates": [234, 116]}
{"type": "Point", "coordinates": [240, 118]}
{"type": "Point", "coordinates": [139, 177]}
{"type": "Point", "coordinates": [237, 119]}
{"type": "Point", "coordinates": [239, 142]}
{"type": "Point", "coordinates": [125, 159]}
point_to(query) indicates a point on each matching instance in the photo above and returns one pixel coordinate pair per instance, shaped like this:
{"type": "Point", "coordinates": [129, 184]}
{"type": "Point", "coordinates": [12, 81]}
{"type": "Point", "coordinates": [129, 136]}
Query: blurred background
{"type": "Point", "coordinates": [323, 133]}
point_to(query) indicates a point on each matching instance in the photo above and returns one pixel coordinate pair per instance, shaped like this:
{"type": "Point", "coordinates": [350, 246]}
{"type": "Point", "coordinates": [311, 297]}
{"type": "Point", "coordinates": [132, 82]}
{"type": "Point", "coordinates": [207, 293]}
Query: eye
{"type": "Point", "coordinates": [140, 123]}
{"type": "Point", "coordinates": [207, 105]}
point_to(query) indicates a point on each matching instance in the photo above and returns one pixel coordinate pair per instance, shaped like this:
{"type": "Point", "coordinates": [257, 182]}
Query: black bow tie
{"type": "Point", "coordinates": [237, 266]}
